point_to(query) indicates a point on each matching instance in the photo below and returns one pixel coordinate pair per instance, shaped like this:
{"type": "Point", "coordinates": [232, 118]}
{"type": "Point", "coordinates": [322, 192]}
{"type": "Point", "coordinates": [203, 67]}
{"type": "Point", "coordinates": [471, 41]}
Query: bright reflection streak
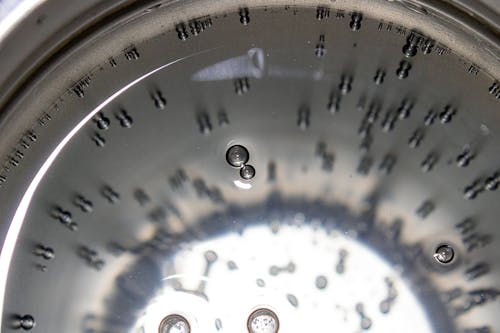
{"type": "Point", "coordinates": [17, 220]}
{"type": "Point", "coordinates": [233, 293]}
{"type": "Point", "coordinates": [13, 11]}
{"type": "Point", "coordinates": [242, 185]}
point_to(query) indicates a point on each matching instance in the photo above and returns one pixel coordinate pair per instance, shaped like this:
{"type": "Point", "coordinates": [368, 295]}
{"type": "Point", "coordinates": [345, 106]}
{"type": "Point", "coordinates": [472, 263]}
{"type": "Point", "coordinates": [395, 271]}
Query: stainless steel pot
{"type": "Point", "coordinates": [259, 166]}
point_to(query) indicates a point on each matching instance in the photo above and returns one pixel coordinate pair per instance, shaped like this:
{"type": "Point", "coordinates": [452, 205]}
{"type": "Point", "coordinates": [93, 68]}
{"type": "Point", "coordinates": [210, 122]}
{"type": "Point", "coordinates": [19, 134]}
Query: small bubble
{"type": "Point", "coordinates": [274, 270]}
{"type": "Point", "coordinates": [237, 156]}
{"type": "Point", "coordinates": [247, 172]}
{"type": "Point", "coordinates": [263, 321]}
{"type": "Point", "coordinates": [174, 323]}
{"type": "Point", "coordinates": [321, 282]}
{"type": "Point", "coordinates": [293, 300]}
{"type": "Point", "coordinates": [210, 256]}
{"type": "Point", "coordinates": [231, 265]}
{"type": "Point", "coordinates": [444, 254]}
{"type": "Point", "coordinates": [366, 323]}
{"type": "Point", "coordinates": [385, 306]}
{"type": "Point", "coordinates": [261, 283]}
{"type": "Point", "coordinates": [218, 324]}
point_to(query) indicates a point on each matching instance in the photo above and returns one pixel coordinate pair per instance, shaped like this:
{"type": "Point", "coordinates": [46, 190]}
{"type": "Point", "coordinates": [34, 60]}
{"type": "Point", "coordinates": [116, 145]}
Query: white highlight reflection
{"type": "Point", "coordinates": [17, 220]}
{"type": "Point", "coordinates": [242, 185]}
{"type": "Point", "coordinates": [232, 294]}
{"type": "Point", "coordinates": [247, 65]}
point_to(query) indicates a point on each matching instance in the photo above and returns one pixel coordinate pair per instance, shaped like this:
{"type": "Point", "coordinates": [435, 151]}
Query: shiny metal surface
{"type": "Point", "coordinates": [200, 166]}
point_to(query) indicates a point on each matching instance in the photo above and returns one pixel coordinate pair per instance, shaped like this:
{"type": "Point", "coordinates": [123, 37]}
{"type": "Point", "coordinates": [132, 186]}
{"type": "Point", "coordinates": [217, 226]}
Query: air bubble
{"type": "Point", "coordinates": [321, 282]}
{"type": "Point", "coordinates": [247, 172]}
{"type": "Point", "coordinates": [263, 321]}
{"type": "Point", "coordinates": [444, 254]}
{"type": "Point", "coordinates": [175, 323]}
{"type": "Point", "coordinates": [293, 300]}
{"type": "Point", "coordinates": [218, 324]}
{"type": "Point", "coordinates": [210, 256]}
{"type": "Point", "coordinates": [237, 156]}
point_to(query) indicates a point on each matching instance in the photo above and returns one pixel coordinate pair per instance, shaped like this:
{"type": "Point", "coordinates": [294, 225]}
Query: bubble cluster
{"type": "Point", "coordinates": [237, 156]}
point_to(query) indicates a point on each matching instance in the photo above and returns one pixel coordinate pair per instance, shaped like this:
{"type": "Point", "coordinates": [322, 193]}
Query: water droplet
{"type": "Point", "coordinates": [403, 69]}
{"type": "Point", "coordinates": [405, 108]}
{"type": "Point", "coordinates": [412, 43]}
{"type": "Point", "coordinates": [425, 209]}
{"type": "Point", "coordinates": [321, 282]}
{"type": "Point", "coordinates": [241, 86]}
{"type": "Point", "coordinates": [181, 31]}
{"type": "Point", "coordinates": [322, 13]}
{"type": "Point", "coordinates": [263, 321]}
{"type": "Point", "coordinates": [110, 194]}
{"type": "Point", "coordinates": [83, 203]}
{"type": "Point", "coordinates": [247, 172]}
{"type": "Point", "coordinates": [447, 115]}
{"type": "Point", "coordinates": [355, 23]}
{"type": "Point", "coordinates": [159, 101]}
{"type": "Point", "coordinates": [125, 119]}
{"type": "Point", "coordinates": [464, 158]}
{"type": "Point", "coordinates": [102, 121]}
{"type": "Point", "coordinates": [303, 119]}
{"type": "Point", "coordinates": [175, 323]}
{"type": "Point", "coordinates": [430, 118]}
{"type": "Point", "coordinates": [26, 322]}
{"type": "Point", "coordinates": [444, 254]}
{"type": "Point", "coordinates": [429, 162]}
{"type": "Point", "coordinates": [379, 77]}
{"type": "Point", "coordinates": [492, 183]}
{"type": "Point", "coordinates": [244, 16]}
{"type": "Point", "coordinates": [45, 252]}
{"type": "Point", "coordinates": [237, 156]}
{"type": "Point", "coordinates": [320, 49]}
{"type": "Point", "coordinates": [204, 122]}
{"type": "Point", "coordinates": [427, 46]}
{"type": "Point", "coordinates": [333, 105]}
{"type": "Point", "coordinates": [99, 140]}
{"type": "Point", "coordinates": [345, 85]}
